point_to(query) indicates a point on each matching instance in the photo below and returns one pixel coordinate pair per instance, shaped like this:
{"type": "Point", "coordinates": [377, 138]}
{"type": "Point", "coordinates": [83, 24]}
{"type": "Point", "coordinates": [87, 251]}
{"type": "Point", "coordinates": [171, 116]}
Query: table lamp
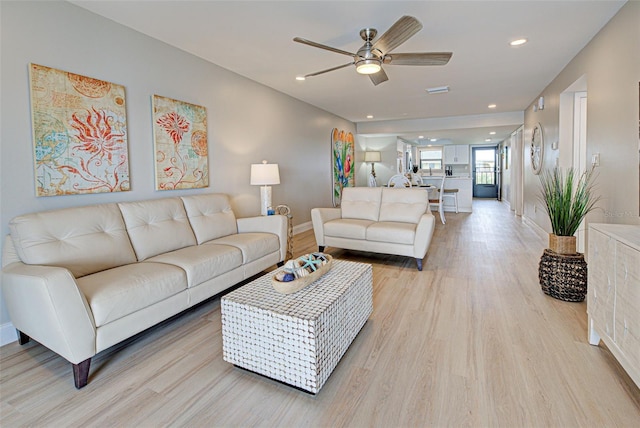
{"type": "Point", "coordinates": [265, 174]}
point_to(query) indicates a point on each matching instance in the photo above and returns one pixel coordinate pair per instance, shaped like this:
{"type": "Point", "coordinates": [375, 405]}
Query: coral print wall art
{"type": "Point", "coordinates": [343, 158]}
{"type": "Point", "coordinates": [180, 135]}
{"type": "Point", "coordinates": [79, 133]}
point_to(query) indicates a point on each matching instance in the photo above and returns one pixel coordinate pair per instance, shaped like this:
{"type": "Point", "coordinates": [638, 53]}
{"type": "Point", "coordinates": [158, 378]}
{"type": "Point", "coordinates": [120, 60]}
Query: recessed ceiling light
{"type": "Point", "coordinates": [433, 140]}
{"type": "Point", "coordinates": [518, 42]}
{"type": "Point", "coordinates": [301, 78]}
{"type": "Point", "coordinates": [487, 139]}
{"type": "Point", "coordinates": [492, 133]}
{"type": "Point", "coordinates": [491, 106]}
{"type": "Point", "coordinates": [369, 116]}
{"type": "Point", "coordinates": [420, 137]}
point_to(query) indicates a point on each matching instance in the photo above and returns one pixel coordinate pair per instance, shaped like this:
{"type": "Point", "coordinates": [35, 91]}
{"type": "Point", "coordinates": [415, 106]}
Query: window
{"type": "Point", "coordinates": [485, 167]}
{"type": "Point", "coordinates": [431, 158]}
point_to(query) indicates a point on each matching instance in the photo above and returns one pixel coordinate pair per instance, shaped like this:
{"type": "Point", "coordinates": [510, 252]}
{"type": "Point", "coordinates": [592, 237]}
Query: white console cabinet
{"type": "Point", "coordinates": [613, 296]}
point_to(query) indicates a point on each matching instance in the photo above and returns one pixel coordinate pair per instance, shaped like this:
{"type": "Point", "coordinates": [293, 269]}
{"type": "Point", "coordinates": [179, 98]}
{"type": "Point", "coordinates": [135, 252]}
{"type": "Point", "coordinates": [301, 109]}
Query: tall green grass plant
{"type": "Point", "coordinates": [567, 198]}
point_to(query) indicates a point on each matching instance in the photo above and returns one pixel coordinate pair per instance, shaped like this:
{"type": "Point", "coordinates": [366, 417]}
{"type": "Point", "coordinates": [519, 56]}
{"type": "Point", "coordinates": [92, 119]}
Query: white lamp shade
{"type": "Point", "coordinates": [372, 156]}
{"type": "Point", "coordinates": [265, 174]}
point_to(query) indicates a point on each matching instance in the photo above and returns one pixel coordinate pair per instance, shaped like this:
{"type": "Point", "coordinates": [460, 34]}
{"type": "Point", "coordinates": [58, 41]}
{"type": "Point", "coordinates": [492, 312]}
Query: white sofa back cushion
{"type": "Point", "coordinates": [403, 205]}
{"type": "Point", "coordinates": [84, 240]}
{"type": "Point", "coordinates": [157, 226]}
{"type": "Point", "coordinates": [210, 215]}
{"type": "Point", "coordinates": [361, 203]}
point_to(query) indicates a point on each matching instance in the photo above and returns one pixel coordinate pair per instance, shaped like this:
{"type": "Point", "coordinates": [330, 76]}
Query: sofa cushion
{"type": "Point", "coordinates": [347, 228]}
{"type": "Point", "coordinates": [392, 232]}
{"type": "Point", "coordinates": [254, 245]}
{"type": "Point", "coordinates": [84, 240]}
{"type": "Point", "coordinates": [202, 262]}
{"type": "Point", "coordinates": [361, 202]}
{"type": "Point", "coordinates": [157, 226]}
{"type": "Point", "coordinates": [403, 205]}
{"type": "Point", "coordinates": [210, 216]}
{"type": "Point", "coordinates": [118, 292]}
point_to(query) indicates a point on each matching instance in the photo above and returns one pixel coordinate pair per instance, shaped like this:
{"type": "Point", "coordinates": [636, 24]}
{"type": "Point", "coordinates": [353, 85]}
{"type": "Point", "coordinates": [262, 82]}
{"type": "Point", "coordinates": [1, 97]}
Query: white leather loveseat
{"type": "Point", "coordinates": [377, 219]}
{"type": "Point", "coordinates": [80, 280]}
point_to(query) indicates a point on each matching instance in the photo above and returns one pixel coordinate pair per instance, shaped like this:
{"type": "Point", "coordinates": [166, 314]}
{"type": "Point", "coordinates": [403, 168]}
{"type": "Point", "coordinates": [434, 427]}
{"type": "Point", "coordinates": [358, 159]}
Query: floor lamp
{"type": "Point", "coordinates": [372, 157]}
{"type": "Point", "coordinates": [265, 174]}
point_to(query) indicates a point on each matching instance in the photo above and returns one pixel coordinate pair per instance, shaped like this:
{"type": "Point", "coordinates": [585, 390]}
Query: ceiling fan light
{"type": "Point", "coordinates": [368, 66]}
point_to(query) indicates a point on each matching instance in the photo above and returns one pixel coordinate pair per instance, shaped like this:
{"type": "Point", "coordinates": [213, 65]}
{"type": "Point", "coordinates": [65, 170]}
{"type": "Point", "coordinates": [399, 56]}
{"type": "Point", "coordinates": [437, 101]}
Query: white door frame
{"type": "Point", "coordinates": [580, 151]}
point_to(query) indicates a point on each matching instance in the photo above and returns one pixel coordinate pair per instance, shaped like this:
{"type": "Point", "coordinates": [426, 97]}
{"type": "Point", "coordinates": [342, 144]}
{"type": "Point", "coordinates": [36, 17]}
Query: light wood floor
{"type": "Point", "coordinates": [469, 341]}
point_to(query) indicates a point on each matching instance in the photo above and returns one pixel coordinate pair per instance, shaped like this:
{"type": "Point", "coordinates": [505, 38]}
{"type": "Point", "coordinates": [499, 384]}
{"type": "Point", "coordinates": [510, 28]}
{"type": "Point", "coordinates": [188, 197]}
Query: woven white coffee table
{"type": "Point", "coordinates": [297, 338]}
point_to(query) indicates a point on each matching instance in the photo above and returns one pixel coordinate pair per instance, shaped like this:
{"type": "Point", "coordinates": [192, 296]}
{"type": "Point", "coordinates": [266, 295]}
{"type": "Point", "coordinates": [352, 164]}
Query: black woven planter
{"type": "Point", "coordinates": [563, 276]}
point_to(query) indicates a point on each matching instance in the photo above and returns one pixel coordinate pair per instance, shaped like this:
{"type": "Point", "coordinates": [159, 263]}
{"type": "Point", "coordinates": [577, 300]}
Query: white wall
{"type": "Point", "coordinates": [611, 64]}
{"type": "Point", "coordinates": [247, 122]}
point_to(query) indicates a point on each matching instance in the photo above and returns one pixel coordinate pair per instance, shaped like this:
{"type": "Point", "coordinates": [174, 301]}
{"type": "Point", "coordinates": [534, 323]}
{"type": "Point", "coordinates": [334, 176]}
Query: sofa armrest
{"type": "Point", "coordinates": [424, 233]}
{"type": "Point", "coordinates": [319, 216]}
{"type": "Point", "coordinates": [276, 224]}
{"type": "Point", "coordinates": [45, 303]}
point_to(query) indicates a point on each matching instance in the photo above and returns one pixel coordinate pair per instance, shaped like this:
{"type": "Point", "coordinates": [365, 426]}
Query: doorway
{"type": "Point", "coordinates": [485, 172]}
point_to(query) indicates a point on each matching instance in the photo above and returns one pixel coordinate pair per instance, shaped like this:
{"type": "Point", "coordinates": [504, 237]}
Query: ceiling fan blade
{"type": "Point", "coordinates": [330, 69]}
{"type": "Point", "coordinates": [418, 58]}
{"type": "Point", "coordinates": [378, 77]}
{"type": "Point", "coordinates": [399, 33]}
{"type": "Point", "coordinates": [325, 47]}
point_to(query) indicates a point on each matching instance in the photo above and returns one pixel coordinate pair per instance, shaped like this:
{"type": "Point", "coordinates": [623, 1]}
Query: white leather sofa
{"type": "Point", "coordinates": [80, 280]}
{"type": "Point", "coordinates": [377, 219]}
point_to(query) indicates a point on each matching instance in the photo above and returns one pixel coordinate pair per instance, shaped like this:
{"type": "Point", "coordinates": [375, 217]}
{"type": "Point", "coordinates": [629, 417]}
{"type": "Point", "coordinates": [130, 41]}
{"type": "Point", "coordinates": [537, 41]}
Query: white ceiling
{"type": "Point", "coordinates": [254, 39]}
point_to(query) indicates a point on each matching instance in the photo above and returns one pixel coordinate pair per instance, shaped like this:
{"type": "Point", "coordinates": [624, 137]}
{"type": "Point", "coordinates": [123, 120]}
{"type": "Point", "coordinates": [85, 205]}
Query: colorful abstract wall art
{"type": "Point", "coordinates": [79, 133]}
{"type": "Point", "coordinates": [343, 158]}
{"type": "Point", "coordinates": [180, 136]}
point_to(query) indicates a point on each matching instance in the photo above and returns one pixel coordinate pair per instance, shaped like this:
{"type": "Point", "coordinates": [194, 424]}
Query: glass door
{"type": "Point", "coordinates": [484, 174]}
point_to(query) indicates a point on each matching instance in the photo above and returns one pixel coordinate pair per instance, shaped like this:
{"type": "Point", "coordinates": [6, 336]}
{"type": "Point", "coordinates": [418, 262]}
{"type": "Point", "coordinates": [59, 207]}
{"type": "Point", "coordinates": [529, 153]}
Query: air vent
{"type": "Point", "coordinates": [438, 90]}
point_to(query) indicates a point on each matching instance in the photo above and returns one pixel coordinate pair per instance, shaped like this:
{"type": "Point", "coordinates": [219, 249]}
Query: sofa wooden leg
{"type": "Point", "coordinates": [81, 373]}
{"type": "Point", "coordinates": [22, 338]}
{"type": "Point", "coordinates": [419, 263]}
{"type": "Point", "coordinates": [280, 264]}
{"type": "Point", "coordinates": [321, 248]}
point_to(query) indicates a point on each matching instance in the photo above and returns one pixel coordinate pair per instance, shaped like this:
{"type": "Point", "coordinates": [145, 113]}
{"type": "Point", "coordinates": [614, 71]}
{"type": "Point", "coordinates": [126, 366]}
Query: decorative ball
{"type": "Point", "coordinates": [288, 277]}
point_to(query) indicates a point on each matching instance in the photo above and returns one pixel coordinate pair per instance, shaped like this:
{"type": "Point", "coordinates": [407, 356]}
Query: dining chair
{"type": "Point", "coordinates": [453, 194]}
{"type": "Point", "coordinates": [416, 179]}
{"type": "Point", "coordinates": [399, 180]}
{"type": "Point", "coordinates": [437, 202]}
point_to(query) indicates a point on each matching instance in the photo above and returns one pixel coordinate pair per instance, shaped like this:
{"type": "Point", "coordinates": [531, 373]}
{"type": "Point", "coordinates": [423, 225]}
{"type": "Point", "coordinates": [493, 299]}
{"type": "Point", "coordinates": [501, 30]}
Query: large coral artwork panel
{"type": "Point", "coordinates": [180, 135]}
{"type": "Point", "coordinates": [79, 133]}
{"type": "Point", "coordinates": [343, 158]}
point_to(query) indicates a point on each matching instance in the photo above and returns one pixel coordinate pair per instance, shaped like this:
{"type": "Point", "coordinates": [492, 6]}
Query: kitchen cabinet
{"type": "Point", "coordinates": [613, 292]}
{"type": "Point", "coordinates": [465, 192]}
{"type": "Point", "coordinates": [457, 154]}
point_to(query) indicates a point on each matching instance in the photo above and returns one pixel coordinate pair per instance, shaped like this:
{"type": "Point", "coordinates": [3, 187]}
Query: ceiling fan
{"type": "Point", "coordinates": [371, 56]}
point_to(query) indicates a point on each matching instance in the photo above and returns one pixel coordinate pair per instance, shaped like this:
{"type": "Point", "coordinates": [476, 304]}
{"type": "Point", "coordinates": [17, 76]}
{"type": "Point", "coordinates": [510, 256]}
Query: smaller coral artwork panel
{"type": "Point", "coordinates": [181, 148]}
{"type": "Point", "coordinates": [79, 133]}
{"type": "Point", "coordinates": [343, 159]}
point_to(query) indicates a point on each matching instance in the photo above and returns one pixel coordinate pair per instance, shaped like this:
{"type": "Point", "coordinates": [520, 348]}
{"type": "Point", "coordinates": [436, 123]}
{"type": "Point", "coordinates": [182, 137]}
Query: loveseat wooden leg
{"type": "Point", "coordinates": [22, 338]}
{"type": "Point", "coordinates": [321, 248]}
{"type": "Point", "coordinates": [419, 263]}
{"type": "Point", "coordinates": [280, 264]}
{"type": "Point", "coordinates": [81, 373]}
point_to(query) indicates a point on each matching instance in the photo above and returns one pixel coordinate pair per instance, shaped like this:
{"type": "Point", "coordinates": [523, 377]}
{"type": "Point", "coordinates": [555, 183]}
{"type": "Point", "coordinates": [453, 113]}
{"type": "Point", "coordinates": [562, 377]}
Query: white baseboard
{"type": "Point", "coordinates": [302, 227]}
{"type": "Point", "coordinates": [7, 334]}
{"type": "Point", "coordinates": [539, 230]}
